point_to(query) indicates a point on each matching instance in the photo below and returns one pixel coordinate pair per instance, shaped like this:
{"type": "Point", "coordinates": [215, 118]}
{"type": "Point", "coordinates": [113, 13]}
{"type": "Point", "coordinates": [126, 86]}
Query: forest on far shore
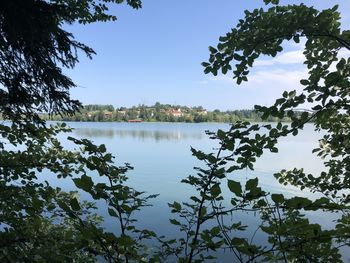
{"type": "Point", "coordinates": [159, 113]}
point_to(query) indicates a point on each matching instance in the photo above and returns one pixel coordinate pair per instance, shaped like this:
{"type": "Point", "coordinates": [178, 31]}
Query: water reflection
{"type": "Point", "coordinates": [139, 134]}
{"type": "Point", "coordinates": [92, 133]}
{"type": "Point", "coordinates": [160, 154]}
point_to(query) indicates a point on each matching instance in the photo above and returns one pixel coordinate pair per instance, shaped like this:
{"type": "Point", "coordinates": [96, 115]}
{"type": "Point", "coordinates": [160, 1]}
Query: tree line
{"type": "Point", "coordinates": [160, 113]}
{"type": "Point", "coordinates": [40, 222]}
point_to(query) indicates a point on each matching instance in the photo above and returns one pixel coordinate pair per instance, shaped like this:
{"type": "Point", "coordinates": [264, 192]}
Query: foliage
{"type": "Point", "coordinates": [42, 223]}
{"type": "Point", "coordinates": [210, 223]}
{"type": "Point", "coordinates": [327, 86]}
{"type": "Point", "coordinates": [262, 32]}
{"type": "Point", "coordinates": [33, 48]}
{"type": "Point", "coordinates": [38, 222]}
{"type": "Point", "coordinates": [160, 113]}
{"type": "Point", "coordinates": [92, 11]}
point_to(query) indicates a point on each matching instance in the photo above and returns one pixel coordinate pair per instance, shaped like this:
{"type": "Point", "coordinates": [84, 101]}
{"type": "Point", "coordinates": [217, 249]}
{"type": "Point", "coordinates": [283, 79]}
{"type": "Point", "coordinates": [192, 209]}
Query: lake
{"type": "Point", "coordinates": [161, 157]}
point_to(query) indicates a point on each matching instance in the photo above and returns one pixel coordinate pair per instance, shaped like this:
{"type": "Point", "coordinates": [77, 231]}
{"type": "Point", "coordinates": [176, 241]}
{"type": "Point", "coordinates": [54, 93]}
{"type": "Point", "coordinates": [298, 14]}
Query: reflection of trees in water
{"type": "Point", "coordinates": [92, 133]}
{"type": "Point", "coordinates": [139, 134]}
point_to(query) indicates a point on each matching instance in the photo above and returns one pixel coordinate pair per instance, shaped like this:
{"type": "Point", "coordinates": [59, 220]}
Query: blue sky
{"type": "Point", "coordinates": [154, 54]}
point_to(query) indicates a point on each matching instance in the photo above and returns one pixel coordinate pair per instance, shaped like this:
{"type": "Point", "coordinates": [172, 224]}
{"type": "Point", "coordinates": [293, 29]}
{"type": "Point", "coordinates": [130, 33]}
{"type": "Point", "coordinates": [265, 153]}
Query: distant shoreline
{"type": "Point", "coordinates": [133, 123]}
{"type": "Point", "coordinates": [160, 113]}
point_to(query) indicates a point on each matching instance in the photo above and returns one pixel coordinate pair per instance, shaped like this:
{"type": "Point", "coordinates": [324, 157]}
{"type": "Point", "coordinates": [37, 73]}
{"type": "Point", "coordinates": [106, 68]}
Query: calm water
{"type": "Point", "coordinates": [161, 157]}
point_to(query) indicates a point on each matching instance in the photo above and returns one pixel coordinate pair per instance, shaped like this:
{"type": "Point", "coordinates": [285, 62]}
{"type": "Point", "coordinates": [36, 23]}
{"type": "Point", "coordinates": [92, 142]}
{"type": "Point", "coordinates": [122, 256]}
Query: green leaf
{"type": "Point", "coordinates": [215, 231]}
{"type": "Point", "coordinates": [252, 183]}
{"type": "Point", "coordinates": [174, 222]}
{"type": "Point", "coordinates": [277, 198]}
{"type": "Point", "coordinates": [238, 57]}
{"type": "Point", "coordinates": [298, 202]}
{"type": "Point", "coordinates": [211, 158]}
{"type": "Point", "coordinates": [275, 2]}
{"type": "Point", "coordinates": [74, 203]}
{"type": "Point", "coordinates": [235, 187]}
{"type": "Point", "coordinates": [296, 39]}
{"type": "Point", "coordinates": [85, 182]}
{"type": "Point", "coordinates": [112, 212]}
{"type": "Point", "coordinates": [304, 82]}
{"type": "Point", "coordinates": [102, 148]}
{"type": "Point", "coordinates": [221, 134]}
{"type": "Point", "coordinates": [215, 191]}
{"type": "Point", "coordinates": [332, 79]}
{"type": "Point", "coordinates": [203, 212]}
{"type": "Point", "coordinates": [36, 203]}
{"type": "Point", "coordinates": [212, 49]}
{"type": "Point", "coordinates": [207, 70]}
{"type": "Point", "coordinates": [126, 241]}
{"type": "Point", "coordinates": [177, 206]}
{"type": "Point", "coordinates": [63, 206]}
{"type": "Point", "coordinates": [261, 203]}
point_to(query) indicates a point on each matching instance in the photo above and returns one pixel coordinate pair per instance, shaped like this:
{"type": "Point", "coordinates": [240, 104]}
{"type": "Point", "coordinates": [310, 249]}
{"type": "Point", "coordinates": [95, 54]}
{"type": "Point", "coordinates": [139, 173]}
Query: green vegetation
{"type": "Point", "coordinates": [160, 113]}
{"type": "Point", "coordinates": [40, 223]}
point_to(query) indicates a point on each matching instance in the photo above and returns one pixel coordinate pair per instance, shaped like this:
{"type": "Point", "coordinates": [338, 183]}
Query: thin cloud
{"type": "Point", "coordinates": [283, 78]}
{"type": "Point", "coordinates": [290, 57]}
{"type": "Point", "coordinates": [202, 82]}
{"type": "Point", "coordinates": [222, 78]}
{"type": "Point", "coordinates": [344, 53]}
